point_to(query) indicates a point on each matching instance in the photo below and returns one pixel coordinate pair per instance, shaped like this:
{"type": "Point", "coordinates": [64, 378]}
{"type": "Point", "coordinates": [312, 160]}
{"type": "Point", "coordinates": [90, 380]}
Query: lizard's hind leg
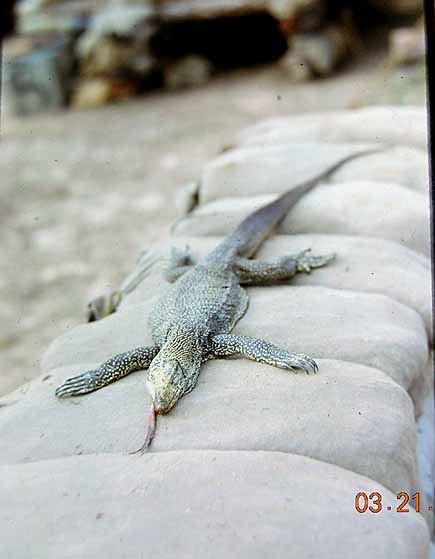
{"type": "Point", "coordinates": [110, 371]}
{"type": "Point", "coordinates": [256, 272]}
{"type": "Point", "coordinates": [102, 306]}
{"type": "Point", "coordinates": [226, 345]}
{"type": "Point", "coordinates": [179, 262]}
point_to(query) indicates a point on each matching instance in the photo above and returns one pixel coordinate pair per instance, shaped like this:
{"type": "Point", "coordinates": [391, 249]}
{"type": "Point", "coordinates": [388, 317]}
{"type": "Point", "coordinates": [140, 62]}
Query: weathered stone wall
{"type": "Point", "coordinates": [255, 462]}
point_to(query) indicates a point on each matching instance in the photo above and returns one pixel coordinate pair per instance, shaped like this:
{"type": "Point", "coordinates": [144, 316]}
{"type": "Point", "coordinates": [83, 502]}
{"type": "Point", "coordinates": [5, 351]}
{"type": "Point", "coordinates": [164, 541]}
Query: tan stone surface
{"type": "Point", "coordinates": [274, 168]}
{"type": "Point", "coordinates": [400, 165]}
{"type": "Point", "coordinates": [198, 504]}
{"type": "Point", "coordinates": [258, 169]}
{"type": "Point", "coordinates": [237, 405]}
{"type": "Point", "coordinates": [393, 125]}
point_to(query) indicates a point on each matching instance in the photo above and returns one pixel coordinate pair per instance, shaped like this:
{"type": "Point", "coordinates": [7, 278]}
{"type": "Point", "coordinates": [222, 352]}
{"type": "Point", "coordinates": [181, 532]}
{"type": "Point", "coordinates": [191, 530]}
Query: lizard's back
{"type": "Point", "coordinates": [207, 298]}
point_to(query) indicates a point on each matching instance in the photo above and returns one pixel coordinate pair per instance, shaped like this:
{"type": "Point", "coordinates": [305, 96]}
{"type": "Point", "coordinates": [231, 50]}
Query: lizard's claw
{"type": "Point", "coordinates": [103, 306]}
{"type": "Point", "coordinates": [75, 386]}
{"type": "Point", "coordinates": [306, 262]}
{"type": "Point", "coordinates": [307, 363]}
{"type": "Point", "coordinates": [299, 361]}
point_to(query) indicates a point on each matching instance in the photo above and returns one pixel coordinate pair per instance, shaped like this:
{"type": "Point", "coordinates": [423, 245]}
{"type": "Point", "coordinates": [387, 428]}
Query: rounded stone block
{"type": "Point", "coordinates": [199, 504]}
{"type": "Point", "coordinates": [270, 169]}
{"type": "Point", "coordinates": [391, 125]}
{"type": "Point", "coordinates": [348, 414]}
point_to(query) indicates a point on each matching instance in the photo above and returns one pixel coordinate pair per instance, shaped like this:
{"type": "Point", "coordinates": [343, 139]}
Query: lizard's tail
{"type": "Point", "coordinates": [253, 230]}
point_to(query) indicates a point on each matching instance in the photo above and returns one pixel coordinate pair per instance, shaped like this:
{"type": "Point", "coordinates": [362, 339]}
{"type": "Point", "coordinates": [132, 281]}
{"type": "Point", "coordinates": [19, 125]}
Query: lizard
{"type": "Point", "coordinates": [193, 320]}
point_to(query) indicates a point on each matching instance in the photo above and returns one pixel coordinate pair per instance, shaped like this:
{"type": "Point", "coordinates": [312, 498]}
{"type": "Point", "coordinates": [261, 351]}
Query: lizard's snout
{"type": "Point", "coordinates": [163, 397]}
{"type": "Point", "coordinates": [161, 405]}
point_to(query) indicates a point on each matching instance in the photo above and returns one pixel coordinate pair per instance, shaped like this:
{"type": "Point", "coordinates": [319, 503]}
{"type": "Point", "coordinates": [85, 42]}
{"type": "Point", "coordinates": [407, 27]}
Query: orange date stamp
{"type": "Point", "coordinates": [373, 502]}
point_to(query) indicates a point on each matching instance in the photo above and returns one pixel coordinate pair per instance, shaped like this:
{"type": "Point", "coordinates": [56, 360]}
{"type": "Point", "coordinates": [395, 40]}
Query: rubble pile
{"type": "Point", "coordinates": [90, 52]}
{"type": "Point", "coordinates": [407, 44]}
{"type": "Point", "coordinates": [113, 54]}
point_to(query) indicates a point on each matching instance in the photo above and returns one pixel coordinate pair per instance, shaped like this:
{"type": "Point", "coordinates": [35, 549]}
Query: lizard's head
{"type": "Point", "coordinates": [173, 372]}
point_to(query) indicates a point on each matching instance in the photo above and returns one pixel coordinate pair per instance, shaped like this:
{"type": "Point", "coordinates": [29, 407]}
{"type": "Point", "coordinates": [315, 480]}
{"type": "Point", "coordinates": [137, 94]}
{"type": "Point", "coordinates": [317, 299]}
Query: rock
{"type": "Point", "coordinates": [322, 51]}
{"type": "Point", "coordinates": [399, 7]}
{"type": "Point", "coordinates": [257, 169]}
{"type": "Point", "coordinates": [116, 42]}
{"type": "Point", "coordinates": [91, 93]}
{"type": "Point", "coordinates": [407, 45]}
{"type": "Point", "coordinates": [223, 398]}
{"type": "Point", "coordinates": [304, 11]}
{"type": "Point", "coordinates": [190, 71]}
{"type": "Point", "coordinates": [199, 504]}
{"type": "Point", "coordinates": [43, 16]}
{"type": "Point", "coordinates": [107, 57]}
{"type": "Point", "coordinates": [226, 396]}
{"type": "Point", "coordinates": [295, 66]}
{"type": "Point", "coordinates": [363, 264]}
{"type": "Point", "coordinates": [305, 14]}
{"type": "Point", "coordinates": [28, 6]}
{"type": "Point", "coordinates": [404, 166]}
{"type": "Point", "coordinates": [16, 46]}
{"type": "Point", "coordinates": [391, 125]}
{"type": "Point", "coordinates": [99, 91]}
{"type": "Point", "coordinates": [39, 77]}
{"type": "Point", "coordinates": [112, 57]}
{"type": "Point", "coordinates": [187, 198]}
{"type": "Point", "coordinates": [122, 19]}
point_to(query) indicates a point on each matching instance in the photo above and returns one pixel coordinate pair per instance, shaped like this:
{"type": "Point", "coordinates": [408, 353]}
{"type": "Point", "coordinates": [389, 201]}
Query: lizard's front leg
{"type": "Point", "coordinates": [226, 345]}
{"type": "Point", "coordinates": [110, 371]}
{"type": "Point", "coordinates": [252, 272]}
{"type": "Point", "coordinates": [179, 262]}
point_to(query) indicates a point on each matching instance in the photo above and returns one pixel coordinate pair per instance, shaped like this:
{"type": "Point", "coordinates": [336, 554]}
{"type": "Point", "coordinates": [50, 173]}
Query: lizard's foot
{"type": "Point", "coordinates": [226, 345]}
{"type": "Point", "coordinates": [305, 262]}
{"type": "Point", "coordinates": [76, 386]}
{"type": "Point", "coordinates": [103, 306]}
{"type": "Point", "coordinates": [295, 361]}
{"type": "Point", "coordinates": [110, 371]}
{"type": "Point", "coordinates": [179, 262]}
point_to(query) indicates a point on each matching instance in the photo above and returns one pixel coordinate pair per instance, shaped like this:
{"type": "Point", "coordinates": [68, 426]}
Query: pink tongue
{"type": "Point", "coordinates": [151, 426]}
{"type": "Point", "coordinates": [150, 433]}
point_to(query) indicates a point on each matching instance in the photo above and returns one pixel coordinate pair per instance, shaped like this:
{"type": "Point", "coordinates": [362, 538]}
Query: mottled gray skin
{"type": "Point", "coordinates": [192, 322]}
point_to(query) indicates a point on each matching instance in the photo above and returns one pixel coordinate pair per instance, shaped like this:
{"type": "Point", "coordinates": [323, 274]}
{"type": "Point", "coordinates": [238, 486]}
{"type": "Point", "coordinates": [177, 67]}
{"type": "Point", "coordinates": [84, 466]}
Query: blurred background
{"type": "Point", "coordinates": [109, 108]}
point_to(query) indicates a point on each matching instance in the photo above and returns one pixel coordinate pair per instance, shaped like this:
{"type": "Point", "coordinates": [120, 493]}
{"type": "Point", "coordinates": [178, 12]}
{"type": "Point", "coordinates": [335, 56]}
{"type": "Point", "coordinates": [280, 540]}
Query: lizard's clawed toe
{"type": "Point", "coordinates": [75, 386]}
{"type": "Point", "coordinates": [307, 262]}
{"type": "Point", "coordinates": [319, 261]}
{"type": "Point", "coordinates": [301, 361]}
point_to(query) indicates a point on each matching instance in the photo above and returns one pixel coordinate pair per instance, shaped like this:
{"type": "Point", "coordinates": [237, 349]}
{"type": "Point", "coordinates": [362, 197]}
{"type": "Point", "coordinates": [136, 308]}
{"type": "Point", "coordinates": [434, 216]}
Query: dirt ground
{"type": "Point", "coordinates": [83, 192]}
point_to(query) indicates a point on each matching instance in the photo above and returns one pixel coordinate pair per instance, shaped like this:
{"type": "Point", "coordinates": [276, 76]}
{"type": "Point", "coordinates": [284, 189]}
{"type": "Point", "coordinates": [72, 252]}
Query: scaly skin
{"type": "Point", "coordinates": [192, 322]}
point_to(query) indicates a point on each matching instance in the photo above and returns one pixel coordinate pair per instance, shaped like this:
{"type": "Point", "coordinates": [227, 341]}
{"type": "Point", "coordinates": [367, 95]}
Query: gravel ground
{"type": "Point", "coordinates": [84, 192]}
